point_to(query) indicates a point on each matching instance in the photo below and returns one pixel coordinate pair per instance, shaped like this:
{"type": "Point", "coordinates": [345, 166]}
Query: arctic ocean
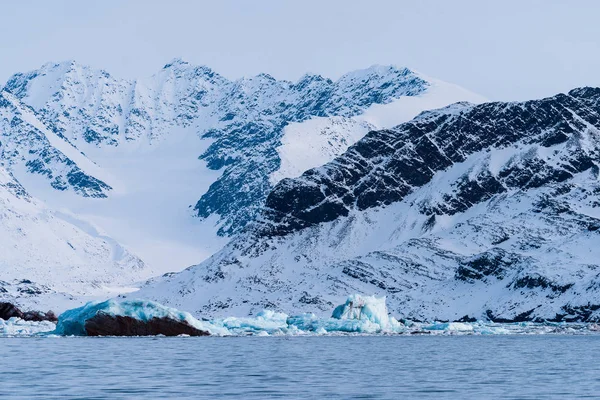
{"type": "Point", "coordinates": [358, 367]}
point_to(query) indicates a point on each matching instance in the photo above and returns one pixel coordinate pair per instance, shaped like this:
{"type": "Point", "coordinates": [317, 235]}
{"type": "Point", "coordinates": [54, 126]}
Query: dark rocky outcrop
{"type": "Point", "coordinates": [525, 316]}
{"type": "Point", "coordinates": [466, 318]}
{"type": "Point", "coordinates": [39, 316]}
{"type": "Point", "coordinates": [386, 166]}
{"type": "Point", "coordinates": [9, 310]}
{"type": "Point", "coordinates": [583, 313]}
{"type": "Point", "coordinates": [103, 324]}
{"type": "Point", "coordinates": [494, 263]}
{"type": "Point", "coordinates": [245, 145]}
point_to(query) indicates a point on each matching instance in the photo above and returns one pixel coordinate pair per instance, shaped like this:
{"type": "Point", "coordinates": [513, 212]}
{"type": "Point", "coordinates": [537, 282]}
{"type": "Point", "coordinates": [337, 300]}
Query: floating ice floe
{"type": "Point", "coordinates": [19, 327]}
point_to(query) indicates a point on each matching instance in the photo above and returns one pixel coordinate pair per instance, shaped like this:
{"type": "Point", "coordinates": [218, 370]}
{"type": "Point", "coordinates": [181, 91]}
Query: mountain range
{"type": "Point", "coordinates": [487, 211]}
{"type": "Point", "coordinates": [108, 182]}
{"type": "Point", "coordinates": [291, 195]}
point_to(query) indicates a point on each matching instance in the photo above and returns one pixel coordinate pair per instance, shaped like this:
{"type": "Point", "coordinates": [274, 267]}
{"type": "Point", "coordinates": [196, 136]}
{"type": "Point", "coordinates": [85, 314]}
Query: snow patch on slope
{"type": "Point", "coordinates": [151, 215]}
{"type": "Point", "coordinates": [314, 142]}
{"type": "Point", "coordinates": [317, 141]}
{"type": "Point", "coordinates": [55, 252]}
{"type": "Point", "coordinates": [439, 94]}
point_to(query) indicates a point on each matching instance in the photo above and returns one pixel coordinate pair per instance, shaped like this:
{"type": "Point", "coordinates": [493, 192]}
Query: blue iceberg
{"type": "Point", "coordinates": [359, 314]}
{"type": "Point", "coordinates": [73, 322]}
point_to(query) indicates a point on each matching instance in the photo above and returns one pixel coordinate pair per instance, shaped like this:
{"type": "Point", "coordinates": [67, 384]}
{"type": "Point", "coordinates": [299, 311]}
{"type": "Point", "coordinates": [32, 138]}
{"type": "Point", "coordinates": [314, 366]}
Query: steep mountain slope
{"type": "Point", "coordinates": [47, 253]}
{"type": "Point", "coordinates": [141, 140]}
{"type": "Point", "coordinates": [489, 211]}
{"type": "Point", "coordinates": [317, 141]}
{"type": "Point", "coordinates": [249, 148]}
{"type": "Point", "coordinates": [28, 144]}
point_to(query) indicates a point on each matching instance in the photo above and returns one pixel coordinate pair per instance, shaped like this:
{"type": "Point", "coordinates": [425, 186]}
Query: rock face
{"type": "Point", "coordinates": [103, 324]}
{"type": "Point", "coordinates": [245, 147]}
{"type": "Point", "coordinates": [488, 211]}
{"type": "Point", "coordinates": [40, 316]}
{"type": "Point", "coordinates": [9, 310]}
{"type": "Point", "coordinates": [386, 166]}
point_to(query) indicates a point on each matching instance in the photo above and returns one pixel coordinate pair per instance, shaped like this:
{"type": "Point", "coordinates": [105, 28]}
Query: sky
{"type": "Point", "coordinates": [503, 50]}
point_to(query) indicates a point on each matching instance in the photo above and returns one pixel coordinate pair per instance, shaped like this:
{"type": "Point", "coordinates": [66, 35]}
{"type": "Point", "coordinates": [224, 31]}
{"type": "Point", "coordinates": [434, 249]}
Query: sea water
{"type": "Point", "coordinates": [302, 367]}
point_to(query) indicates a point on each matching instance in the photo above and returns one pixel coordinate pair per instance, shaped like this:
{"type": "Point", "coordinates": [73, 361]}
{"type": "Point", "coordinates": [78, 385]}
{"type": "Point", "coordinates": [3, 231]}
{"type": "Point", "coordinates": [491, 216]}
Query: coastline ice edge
{"type": "Point", "coordinates": [359, 315]}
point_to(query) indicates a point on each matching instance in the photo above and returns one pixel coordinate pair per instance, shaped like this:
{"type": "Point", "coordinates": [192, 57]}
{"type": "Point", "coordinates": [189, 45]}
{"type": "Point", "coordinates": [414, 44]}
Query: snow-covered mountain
{"type": "Point", "coordinates": [48, 253]}
{"type": "Point", "coordinates": [36, 147]}
{"type": "Point", "coordinates": [169, 166]}
{"type": "Point", "coordinates": [487, 211]}
{"type": "Point", "coordinates": [246, 121]}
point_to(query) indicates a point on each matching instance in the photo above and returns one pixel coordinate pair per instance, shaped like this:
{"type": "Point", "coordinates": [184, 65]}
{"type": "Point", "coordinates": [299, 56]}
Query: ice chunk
{"type": "Point", "coordinates": [72, 322]}
{"type": "Point", "coordinates": [359, 314]}
{"type": "Point", "coordinates": [450, 326]}
{"type": "Point", "coordinates": [367, 308]}
{"type": "Point", "coordinates": [266, 321]}
{"type": "Point", "coordinates": [314, 324]}
{"type": "Point", "coordinates": [19, 327]}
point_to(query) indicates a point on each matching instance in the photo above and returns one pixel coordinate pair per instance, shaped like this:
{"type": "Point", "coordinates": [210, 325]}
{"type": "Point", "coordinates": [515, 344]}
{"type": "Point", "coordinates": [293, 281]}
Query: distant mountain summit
{"type": "Point", "coordinates": [40, 148]}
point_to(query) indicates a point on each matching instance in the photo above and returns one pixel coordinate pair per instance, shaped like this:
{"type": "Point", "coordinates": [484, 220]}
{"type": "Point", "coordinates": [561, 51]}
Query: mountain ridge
{"type": "Point", "coordinates": [488, 211]}
{"type": "Point", "coordinates": [148, 154]}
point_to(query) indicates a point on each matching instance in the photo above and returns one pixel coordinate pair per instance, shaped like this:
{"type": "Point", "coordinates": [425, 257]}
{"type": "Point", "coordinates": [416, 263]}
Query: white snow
{"type": "Point", "coordinates": [152, 214]}
{"type": "Point", "coordinates": [45, 246]}
{"type": "Point", "coordinates": [439, 94]}
{"type": "Point", "coordinates": [317, 141]}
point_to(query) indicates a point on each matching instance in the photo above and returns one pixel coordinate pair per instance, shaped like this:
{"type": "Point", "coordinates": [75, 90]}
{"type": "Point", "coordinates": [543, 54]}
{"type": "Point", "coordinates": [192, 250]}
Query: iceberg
{"type": "Point", "coordinates": [367, 308]}
{"type": "Point", "coordinates": [266, 321]}
{"type": "Point", "coordinates": [129, 318]}
{"type": "Point", "coordinates": [359, 314]}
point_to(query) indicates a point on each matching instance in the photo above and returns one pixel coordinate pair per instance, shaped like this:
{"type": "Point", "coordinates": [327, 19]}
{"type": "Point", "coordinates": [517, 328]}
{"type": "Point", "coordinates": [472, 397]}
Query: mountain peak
{"type": "Point", "coordinates": [64, 67]}
{"type": "Point", "coordinates": [176, 62]}
{"type": "Point", "coordinates": [376, 72]}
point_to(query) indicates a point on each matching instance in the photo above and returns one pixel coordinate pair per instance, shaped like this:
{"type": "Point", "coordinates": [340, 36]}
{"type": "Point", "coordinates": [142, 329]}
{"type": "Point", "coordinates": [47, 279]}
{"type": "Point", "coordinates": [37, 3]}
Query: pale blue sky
{"type": "Point", "coordinates": [504, 50]}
